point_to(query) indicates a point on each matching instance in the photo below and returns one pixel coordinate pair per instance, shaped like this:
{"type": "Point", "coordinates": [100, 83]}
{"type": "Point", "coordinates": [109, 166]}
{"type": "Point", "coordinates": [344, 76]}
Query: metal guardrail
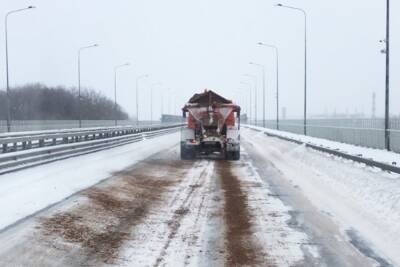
{"type": "Point", "coordinates": [23, 159]}
{"type": "Point", "coordinates": [22, 141]}
{"type": "Point", "coordinates": [84, 129]}
{"type": "Point", "coordinates": [45, 125]}
{"type": "Point", "coordinates": [369, 162]}
{"type": "Point", "coordinates": [367, 132]}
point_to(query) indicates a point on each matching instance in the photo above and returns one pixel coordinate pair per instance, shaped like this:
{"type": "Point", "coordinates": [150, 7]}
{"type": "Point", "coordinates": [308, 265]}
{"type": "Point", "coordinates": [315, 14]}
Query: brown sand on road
{"type": "Point", "coordinates": [104, 222]}
{"type": "Point", "coordinates": [116, 215]}
{"type": "Point", "coordinates": [101, 225]}
{"type": "Point", "coordinates": [242, 251]}
{"type": "Point", "coordinates": [161, 212]}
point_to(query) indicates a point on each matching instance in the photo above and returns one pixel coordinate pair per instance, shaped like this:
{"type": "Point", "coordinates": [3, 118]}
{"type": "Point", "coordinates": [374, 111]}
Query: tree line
{"type": "Point", "coordinates": [40, 102]}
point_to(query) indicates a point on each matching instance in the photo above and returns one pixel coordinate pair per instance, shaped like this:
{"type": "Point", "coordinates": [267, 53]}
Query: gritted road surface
{"type": "Point", "coordinates": [166, 212]}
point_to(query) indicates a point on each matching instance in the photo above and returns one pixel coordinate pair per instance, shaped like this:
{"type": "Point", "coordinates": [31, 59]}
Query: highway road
{"type": "Point", "coordinates": [280, 205]}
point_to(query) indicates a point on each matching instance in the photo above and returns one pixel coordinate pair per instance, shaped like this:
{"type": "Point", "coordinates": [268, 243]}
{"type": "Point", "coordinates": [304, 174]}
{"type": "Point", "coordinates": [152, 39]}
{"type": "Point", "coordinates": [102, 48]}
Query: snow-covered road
{"type": "Point", "coordinates": [28, 191]}
{"type": "Point", "coordinates": [340, 204]}
{"type": "Point", "coordinates": [280, 205]}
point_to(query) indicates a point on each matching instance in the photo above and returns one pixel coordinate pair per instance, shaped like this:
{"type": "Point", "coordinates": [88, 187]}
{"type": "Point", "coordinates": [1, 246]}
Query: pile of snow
{"type": "Point", "coordinates": [379, 155]}
{"type": "Point", "coordinates": [358, 199]}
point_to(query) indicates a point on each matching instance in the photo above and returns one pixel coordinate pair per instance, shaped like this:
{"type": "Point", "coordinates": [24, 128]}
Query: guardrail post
{"type": "Point", "coordinates": [65, 140]}
{"type": "Point", "coordinates": [15, 147]}
{"type": "Point", "coordinates": [54, 141]}
{"type": "Point", "coordinates": [24, 145]}
{"type": "Point", "coordinates": [41, 143]}
{"type": "Point", "coordinates": [29, 144]}
{"type": "Point", "coordinates": [5, 148]}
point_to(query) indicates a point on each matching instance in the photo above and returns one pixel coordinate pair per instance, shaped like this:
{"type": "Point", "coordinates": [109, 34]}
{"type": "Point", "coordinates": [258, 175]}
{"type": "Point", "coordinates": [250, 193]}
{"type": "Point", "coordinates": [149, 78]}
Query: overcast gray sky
{"type": "Point", "coordinates": [191, 45]}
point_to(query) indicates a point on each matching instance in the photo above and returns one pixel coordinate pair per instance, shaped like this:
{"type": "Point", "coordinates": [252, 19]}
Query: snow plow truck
{"type": "Point", "coordinates": [213, 125]}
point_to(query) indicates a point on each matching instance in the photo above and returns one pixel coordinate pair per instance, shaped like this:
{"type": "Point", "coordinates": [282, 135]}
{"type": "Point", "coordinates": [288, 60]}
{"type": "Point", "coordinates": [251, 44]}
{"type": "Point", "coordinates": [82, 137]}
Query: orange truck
{"type": "Point", "coordinates": [213, 127]}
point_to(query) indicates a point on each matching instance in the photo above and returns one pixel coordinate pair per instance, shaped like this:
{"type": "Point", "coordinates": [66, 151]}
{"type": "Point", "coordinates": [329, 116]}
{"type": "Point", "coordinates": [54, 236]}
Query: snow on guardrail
{"type": "Point", "coordinates": [27, 140]}
{"type": "Point", "coordinates": [23, 159]}
{"type": "Point", "coordinates": [383, 159]}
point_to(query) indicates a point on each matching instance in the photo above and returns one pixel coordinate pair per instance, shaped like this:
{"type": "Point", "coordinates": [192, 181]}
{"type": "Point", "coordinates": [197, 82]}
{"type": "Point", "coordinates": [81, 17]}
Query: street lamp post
{"type": "Point", "coordinates": [162, 104]}
{"type": "Point", "coordinates": [151, 100]}
{"type": "Point", "coordinates": [387, 77]}
{"type": "Point", "coordinates": [250, 108]}
{"type": "Point", "coordinates": [263, 77]}
{"type": "Point", "coordinates": [8, 101]}
{"type": "Point", "coordinates": [115, 90]}
{"type": "Point", "coordinates": [305, 61]}
{"type": "Point", "coordinates": [245, 103]}
{"type": "Point", "coordinates": [137, 96]}
{"type": "Point", "coordinates": [79, 81]}
{"type": "Point", "coordinates": [169, 101]}
{"type": "Point", "coordinates": [277, 79]}
{"type": "Point", "coordinates": [174, 105]}
{"type": "Point", "coordinates": [254, 78]}
{"type": "Point", "coordinates": [172, 101]}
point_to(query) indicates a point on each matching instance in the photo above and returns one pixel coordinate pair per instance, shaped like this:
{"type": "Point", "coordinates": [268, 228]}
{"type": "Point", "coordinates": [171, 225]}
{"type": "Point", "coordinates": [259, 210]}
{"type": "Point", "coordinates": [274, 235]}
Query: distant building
{"type": "Point", "coordinates": [283, 113]}
{"type": "Point", "coordinates": [165, 118]}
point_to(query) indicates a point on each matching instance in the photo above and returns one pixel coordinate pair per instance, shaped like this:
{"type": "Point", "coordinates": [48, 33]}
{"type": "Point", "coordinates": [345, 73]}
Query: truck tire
{"type": "Point", "coordinates": [227, 155]}
{"type": "Point", "coordinates": [236, 155]}
{"type": "Point", "coordinates": [232, 155]}
{"type": "Point", "coordinates": [187, 153]}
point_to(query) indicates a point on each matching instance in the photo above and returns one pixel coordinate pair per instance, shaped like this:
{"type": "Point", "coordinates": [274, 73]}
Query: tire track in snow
{"type": "Point", "coordinates": [189, 204]}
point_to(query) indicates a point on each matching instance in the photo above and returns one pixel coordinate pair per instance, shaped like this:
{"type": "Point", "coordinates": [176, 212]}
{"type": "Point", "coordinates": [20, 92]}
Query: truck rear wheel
{"type": "Point", "coordinates": [187, 153]}
{"type": "Point", "coordinates": [232, 155]}
{"type": "Point", "coordinates": [236, 155]}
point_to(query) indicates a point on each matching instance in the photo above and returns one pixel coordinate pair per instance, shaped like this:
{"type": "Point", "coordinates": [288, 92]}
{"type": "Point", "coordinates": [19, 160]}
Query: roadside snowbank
{"type": "Point", "coordinates": [26, 192]}
{"type": "Point", "coordinates": [369, 153]}
{"type": "Point", "coordinates": [362, 201]}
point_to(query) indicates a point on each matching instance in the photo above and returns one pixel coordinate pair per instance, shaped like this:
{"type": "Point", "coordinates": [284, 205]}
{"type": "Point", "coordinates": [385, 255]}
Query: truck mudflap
{"type": "Point", "coordinates": [232, 150]}
{"type": "Point", "coordinates": [188, 152]}
{"type": "Point", "coordinates": [232, 155]}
